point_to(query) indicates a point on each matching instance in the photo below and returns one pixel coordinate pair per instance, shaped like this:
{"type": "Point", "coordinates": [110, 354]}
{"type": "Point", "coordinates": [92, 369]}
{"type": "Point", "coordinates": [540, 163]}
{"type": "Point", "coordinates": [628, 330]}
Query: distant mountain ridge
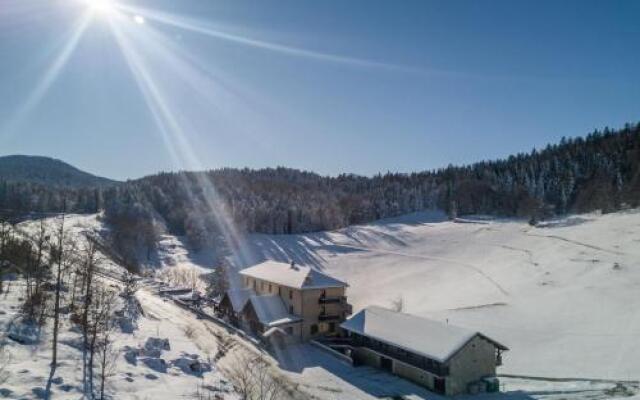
{"type": "Point", "coordinates": [47, 171]}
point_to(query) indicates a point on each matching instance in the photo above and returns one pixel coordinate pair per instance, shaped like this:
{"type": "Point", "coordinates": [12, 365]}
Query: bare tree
{"type": "Point", "coordinates": [35, 273]}
{"type": "Point", "coordinates": [5, 360]}
{"type": "Point", "coordinates": [130, 287]}
{"type": "Point", "coordinates": [104, 342]}
{"type": "Point", "coordinates": [181, 276]}
{"type": "Point", "coordinates": [97, 331]}
{"type": "Point", "coordinates": [90, 262]}
{"type": "Point", "coordinates": [253, 379]}
{"type": "Point", "coordinates": [58, 257]}
{"type": "Point", "coordinates": [5, 233]}
{"type": "Point", "coordinates": [397, 304]}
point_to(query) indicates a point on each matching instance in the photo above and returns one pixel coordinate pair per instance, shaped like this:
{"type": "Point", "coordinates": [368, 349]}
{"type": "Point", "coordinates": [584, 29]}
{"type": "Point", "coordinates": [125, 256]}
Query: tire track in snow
{"type": "Point", "coordinates": [432, 258]}
{"type": "Point", "coordinates": [557, 379]}
{"type": "Point", "coordinates": [590, 246]}
{"type": "Point", "coordinates": [529, 253]}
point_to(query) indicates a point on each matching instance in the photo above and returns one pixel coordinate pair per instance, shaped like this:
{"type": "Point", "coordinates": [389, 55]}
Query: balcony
{"type": "Point", "coordinates": [329, 317]}
{"type": "Point", "coordinates": [415, 360]}
{"type": "Point", "coordinates": [332, 300]}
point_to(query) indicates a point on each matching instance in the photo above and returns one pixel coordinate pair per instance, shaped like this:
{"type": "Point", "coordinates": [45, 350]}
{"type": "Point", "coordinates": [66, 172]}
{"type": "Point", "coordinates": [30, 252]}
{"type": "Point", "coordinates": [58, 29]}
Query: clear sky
{"type": "Point", "coordinates": [332, 86]}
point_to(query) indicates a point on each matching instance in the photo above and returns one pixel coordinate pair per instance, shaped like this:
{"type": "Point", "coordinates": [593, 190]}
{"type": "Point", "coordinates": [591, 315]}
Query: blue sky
{"type": "Point", "coordinates": [332, 86]}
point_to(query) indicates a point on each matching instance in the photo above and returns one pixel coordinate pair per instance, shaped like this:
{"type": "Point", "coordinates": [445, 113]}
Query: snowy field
{"type": "Point", "coordinates": [563, 296]}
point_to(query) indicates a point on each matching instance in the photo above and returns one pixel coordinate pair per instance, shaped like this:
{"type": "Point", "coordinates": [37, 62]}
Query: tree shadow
{"type": "Point", "coordinates": [302, 249]}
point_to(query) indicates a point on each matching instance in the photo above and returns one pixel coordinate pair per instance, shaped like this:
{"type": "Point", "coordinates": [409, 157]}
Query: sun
{"type": "Point", "coordinates": [101, 6]}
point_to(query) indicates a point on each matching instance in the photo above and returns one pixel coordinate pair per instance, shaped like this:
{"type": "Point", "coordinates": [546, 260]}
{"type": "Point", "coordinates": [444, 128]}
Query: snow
{"type": "Point", "coordinates": [432, 339]}
{"type": "Point", "coordinates": [296, 276]}
{"type": "Point", "coordinates": [77, 225]}
{"type": "Point", "coordinates": [147, 366]}
{"type": "Point", "coordinates": [563, 296]}
{"type": "Point", "coordinates": [271, 310]}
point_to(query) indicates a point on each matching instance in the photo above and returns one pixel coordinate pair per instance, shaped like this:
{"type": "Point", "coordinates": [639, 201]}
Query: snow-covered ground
{"type": "Point", "coordinates": [564, 296]}
{"type": "Point", "coordinates": [140, 377]}
{"type": "Point", "coordinates": [130, 378]}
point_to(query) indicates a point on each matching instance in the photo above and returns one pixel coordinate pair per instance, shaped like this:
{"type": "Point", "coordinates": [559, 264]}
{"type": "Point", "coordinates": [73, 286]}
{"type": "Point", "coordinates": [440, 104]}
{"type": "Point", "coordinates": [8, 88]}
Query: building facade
{"type": "Point", "coordinates": [444, 358]}
{"type": "Point", "coordinates": [300, 302]}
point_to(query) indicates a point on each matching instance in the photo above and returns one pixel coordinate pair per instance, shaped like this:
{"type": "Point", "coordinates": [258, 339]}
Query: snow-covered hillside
{"type": "Point", "coordinates": [564, 296]}
{"type": "Point", "coordinates": [140, 368]}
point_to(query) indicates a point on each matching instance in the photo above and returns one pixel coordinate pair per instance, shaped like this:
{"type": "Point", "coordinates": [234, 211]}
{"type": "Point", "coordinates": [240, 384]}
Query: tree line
{"type": "Point", "coordinates": [598, 172]}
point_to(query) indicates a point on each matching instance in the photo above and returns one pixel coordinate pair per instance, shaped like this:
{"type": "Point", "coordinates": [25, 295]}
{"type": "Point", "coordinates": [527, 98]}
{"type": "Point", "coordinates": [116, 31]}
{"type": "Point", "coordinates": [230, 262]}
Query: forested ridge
{"type": "Point", "coordinates": [597, 172]}
{"type": "Point", "coordinates": [47, 171]}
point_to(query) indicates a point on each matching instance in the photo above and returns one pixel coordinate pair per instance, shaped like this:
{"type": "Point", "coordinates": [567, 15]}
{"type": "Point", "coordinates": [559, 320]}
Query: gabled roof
{"type": "Point", "coordinates": [426, 337]}
{"type": "Point", "coordinates": [292, 275]}
{"type": "Point", "coordinates": [239, 298]}
{"type": "Point", "coordinates": [271, 310]}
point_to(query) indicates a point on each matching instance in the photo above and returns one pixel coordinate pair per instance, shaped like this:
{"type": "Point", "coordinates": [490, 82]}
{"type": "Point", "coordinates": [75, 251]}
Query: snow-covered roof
{"type": "Point", "coordinates": [194, 295]}
{"type": "Point", "coordinates": [433, 339]}
{"type": "Point", "coordinates": [292, 275]}
{"type": "Point", "coordinates": [271, 310]}
{"type": "Point", "coordinates": [273, 331]}
{"type": "Point", "coordinates": [239, 297]}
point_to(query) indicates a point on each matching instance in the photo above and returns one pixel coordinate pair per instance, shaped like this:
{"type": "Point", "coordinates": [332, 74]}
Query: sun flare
{"type": "Point", "coordinates": [101, 6]}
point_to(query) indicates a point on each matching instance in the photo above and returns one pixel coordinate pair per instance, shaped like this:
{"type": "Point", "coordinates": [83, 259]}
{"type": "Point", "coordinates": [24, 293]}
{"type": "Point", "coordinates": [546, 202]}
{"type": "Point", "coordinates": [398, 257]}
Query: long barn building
{"type": "Point", "coordinates": [444, 358]}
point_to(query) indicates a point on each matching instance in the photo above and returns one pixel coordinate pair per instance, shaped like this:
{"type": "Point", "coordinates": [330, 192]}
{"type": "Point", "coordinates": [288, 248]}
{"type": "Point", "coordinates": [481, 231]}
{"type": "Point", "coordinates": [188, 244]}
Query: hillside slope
{"type": "Point", "coordinates": [563, 296]}
{"type": "Point", "coordinates": [47, 171]}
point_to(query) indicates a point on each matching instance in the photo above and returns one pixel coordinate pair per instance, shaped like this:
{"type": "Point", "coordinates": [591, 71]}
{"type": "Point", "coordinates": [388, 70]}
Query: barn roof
{"type": "Point", "coordinates": [292, 275]}
{"type": "Point", "coordinates": [432, 339]}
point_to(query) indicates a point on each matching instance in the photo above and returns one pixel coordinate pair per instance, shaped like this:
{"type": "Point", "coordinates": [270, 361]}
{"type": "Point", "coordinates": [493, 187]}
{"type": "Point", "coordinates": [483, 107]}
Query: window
{"type": "Point", "coordinates": [261, 285]}
{"type": "Point", "coordinates": [280, 291]}
{"type": "Point", "coordinates": [255, 285]}
{"type": "Point", "coordinates": [290, 309]}
{"type": "Point", "coordinates": [332, 327]}
{"type": "Point", "coordinates": [269, 288]}
{"type": "Point", "coordinates": [290, 294]}
{"type": "Point", "coordinates": [289, 330]}
{"type": "Point", "coordinates": [314, 329]}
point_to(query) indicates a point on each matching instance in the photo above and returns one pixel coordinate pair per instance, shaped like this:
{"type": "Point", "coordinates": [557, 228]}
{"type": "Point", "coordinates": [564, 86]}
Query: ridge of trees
{"type": "Point", "coordinates": [598, 172]}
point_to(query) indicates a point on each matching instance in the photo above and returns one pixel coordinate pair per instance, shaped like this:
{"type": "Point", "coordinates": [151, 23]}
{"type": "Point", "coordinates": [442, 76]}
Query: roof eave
{"type": "Point", "coordinates": [277, 324]}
